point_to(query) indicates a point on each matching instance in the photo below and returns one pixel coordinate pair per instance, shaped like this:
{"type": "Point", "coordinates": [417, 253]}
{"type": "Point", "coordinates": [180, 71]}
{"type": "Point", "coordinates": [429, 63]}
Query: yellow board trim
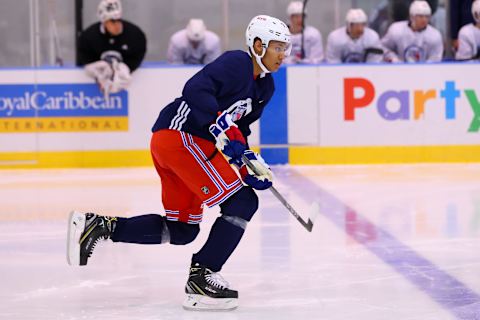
{"type": "Point", "coordinates": [377, 155]}
{"type": "Point", "coordinates": [63, 124]}
{"type": "Point", "coordinates": [297, 155]}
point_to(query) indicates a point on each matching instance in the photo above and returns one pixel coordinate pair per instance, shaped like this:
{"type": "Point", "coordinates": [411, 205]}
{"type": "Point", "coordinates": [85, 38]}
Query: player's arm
{"type": "Point", "coordinates": [374, 50]}
{"type": "Point", "coordinates": [214, 49]}
{"type": "Point", "coordinates": [101, 71]}
{"type": "Point", "coordinates": [465, 47]}
{"type": "Point", "coordinates": [174, 52]}
{"type": "Point", "coordinates": [232, 144]}
{"type": "Point", "coordinates": [139, 48]}
{"type": "Point", "coordinates": [334, 51]}
{"type": "Point", "coordinates": [389, 45]}
{"type": "Point", "coordinates": [85, 52]}
{"type": "Point", "coordinates": [257, 174]}
{"type": "Point", "coordinates": [229, 139]}
{"type": "Point", "coordinates": [315, 53]}
{"type": "Point", "coordinates": [226, 76]}
{"type": "Point", "coordinates": [436, 50]}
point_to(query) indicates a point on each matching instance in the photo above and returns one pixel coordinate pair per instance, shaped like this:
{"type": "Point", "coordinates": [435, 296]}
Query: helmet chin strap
{"type": "Point", "coordinates": [258, 58]}
{"type": "Point", "coordinates": [260, 63]}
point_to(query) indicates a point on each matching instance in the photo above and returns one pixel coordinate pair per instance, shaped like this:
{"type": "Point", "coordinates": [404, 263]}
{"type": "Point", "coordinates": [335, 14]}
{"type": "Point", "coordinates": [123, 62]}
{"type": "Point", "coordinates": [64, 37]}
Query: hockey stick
{"type": "Point", "coordinates": [372, 50]}
{"type": "Point", "coordinates": [58, 57]}
{"type": "Point", "coordinates": [303, 29]}
{"type": "Point", "coordinates": [58, 54]}
{"type": "Point", "coordinates": [307, 225]}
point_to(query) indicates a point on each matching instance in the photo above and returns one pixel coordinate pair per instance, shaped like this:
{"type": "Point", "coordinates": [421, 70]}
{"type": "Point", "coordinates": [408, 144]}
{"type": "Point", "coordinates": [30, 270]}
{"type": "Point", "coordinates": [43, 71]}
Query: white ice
{"type": "Point", "coordinates": [280, 270]}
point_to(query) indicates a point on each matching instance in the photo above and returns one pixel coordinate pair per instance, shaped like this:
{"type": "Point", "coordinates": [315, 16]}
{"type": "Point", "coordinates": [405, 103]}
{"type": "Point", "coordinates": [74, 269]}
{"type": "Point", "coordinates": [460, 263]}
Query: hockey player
{"type": "Point", "coordinates": [196, 139]}
{"type": "Point", "coordinates": [469, 37]}
{"type": "Point", "coordinates": [355, 42]}
{"type": "Point", "coordinates": [312, 38]}
{"type": "Point", "coordinates": [414, 40]}
{"type": "Point", "coordinates": [112, 48]}
{"type": "Point", "coordinates": [194, 45]}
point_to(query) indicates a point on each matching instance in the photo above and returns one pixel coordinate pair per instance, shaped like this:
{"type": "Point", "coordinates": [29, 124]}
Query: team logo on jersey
{"type": "Point", "coordinates": [240, 109]}
{"type": "Point", "coordinates": [111, 55]}
{"type": "Point", "coordinates": [414, 53]}
{"type": "Point", "coordinates": [296, 50]}
{"type": "Point", "coordinates": [205, 190]}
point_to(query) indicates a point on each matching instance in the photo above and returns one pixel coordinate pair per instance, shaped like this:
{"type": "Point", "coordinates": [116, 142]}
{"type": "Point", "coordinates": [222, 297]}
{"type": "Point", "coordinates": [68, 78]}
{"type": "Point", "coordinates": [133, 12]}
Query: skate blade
{"type": "Point", "coordinates": [76, 225]}
{"type": "Point", "coordinates": [197, 302]}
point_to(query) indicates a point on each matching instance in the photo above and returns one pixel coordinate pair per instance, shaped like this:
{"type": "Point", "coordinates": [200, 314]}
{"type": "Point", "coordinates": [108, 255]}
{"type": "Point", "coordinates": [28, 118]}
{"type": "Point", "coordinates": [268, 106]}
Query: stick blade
{"type": "Point", "coordinates": [314, 212]}
{"type": "Point", "coordinates": [309, 225]}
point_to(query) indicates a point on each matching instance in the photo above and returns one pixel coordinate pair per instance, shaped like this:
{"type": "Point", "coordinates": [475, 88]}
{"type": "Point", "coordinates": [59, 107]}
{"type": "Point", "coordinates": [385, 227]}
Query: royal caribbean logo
{"type": "Point", "coordinates": [61, 107]}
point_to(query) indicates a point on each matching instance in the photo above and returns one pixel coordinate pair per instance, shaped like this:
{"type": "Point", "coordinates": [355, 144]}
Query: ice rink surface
{"type": "Point", "coordinates": [390, 242]}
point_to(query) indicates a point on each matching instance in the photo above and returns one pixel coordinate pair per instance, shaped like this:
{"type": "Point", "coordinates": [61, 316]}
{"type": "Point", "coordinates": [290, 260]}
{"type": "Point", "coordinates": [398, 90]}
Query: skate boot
{"type": "Point", "coordinates": [84, 232]}
{"type": "Point", "coordinates": [207, 290]}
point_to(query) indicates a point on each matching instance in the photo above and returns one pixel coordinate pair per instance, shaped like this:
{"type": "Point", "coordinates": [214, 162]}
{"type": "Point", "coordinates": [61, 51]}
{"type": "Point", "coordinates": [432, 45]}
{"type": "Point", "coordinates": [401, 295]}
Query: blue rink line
{"type": "Point", "coordinates": [447, 291]}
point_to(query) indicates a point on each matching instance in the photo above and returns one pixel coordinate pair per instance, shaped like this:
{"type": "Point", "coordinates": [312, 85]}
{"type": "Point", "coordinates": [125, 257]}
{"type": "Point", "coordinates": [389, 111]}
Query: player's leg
{"type": "Point", "coordinates": [205, 288]}
{"type": "Point", "coordinates": [228, 229]}
{"type": "Point", "coordinates": [180, 225]}
{"type": "Point", "coordinates": [154, 229]}
{"type": "Point", "coordinates": [180, 204]}
{"type": "Point", "coordinates": [225, 235]}
{"type": "Point", "coordinates": [86, 230]}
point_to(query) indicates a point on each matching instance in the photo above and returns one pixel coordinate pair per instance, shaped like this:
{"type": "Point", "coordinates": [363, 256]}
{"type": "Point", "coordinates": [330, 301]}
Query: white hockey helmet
{"type": "Point", "coordinates": [109, 10]}
{"type": "Point", "coordinates": [356, 16]}
{"type": "Point", "coordinates": [476, 10]}
{"type": "Point", "coordinates": [266, 29]}
{"type": "Point", "coordinates": [196, 30]}
{"type": "Point", "coordinates": [295, 7]}
{"type": "Point", "coordinates": [420, 8]}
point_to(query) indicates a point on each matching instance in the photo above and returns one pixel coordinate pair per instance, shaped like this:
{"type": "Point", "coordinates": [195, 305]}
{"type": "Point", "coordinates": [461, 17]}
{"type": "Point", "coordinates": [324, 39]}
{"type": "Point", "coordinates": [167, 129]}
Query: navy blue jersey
{"type": "Point", "coordinates": [225, 84]}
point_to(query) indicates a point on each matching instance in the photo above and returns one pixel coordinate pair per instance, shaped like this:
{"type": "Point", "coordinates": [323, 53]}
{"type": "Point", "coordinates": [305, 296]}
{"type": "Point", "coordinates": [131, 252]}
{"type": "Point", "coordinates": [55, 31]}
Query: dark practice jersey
{"type": "Point", "coordinates": [95, 42]}
{"type": "Point", "coordinates": [225, 84]}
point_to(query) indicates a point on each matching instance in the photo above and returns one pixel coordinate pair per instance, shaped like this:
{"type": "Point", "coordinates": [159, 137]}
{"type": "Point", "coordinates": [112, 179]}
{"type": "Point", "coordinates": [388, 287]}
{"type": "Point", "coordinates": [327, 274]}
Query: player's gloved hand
{"type": "Point", "coordinates": [391, 57]}
{"type": "Point", "coordinates": [229, 139]}
{"type": "Point", "coordinates": [121, 77]}
{"type": "Point", "coordinates": [100, 70]}
{"type": "Point", "coordinates": [259, 176]}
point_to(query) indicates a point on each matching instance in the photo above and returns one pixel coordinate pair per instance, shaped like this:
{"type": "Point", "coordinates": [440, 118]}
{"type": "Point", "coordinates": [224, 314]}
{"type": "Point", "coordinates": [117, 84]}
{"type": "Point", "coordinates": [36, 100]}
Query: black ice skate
{"type": "Point", "coordinates": [207, 290]}
{"type": "Point", "coordinates": [84, 232]}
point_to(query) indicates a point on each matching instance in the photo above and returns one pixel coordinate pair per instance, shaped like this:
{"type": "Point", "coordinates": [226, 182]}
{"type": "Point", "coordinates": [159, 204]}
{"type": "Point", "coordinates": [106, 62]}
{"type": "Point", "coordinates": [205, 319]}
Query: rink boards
{"type": "Point", "coordinates": [319, 115]}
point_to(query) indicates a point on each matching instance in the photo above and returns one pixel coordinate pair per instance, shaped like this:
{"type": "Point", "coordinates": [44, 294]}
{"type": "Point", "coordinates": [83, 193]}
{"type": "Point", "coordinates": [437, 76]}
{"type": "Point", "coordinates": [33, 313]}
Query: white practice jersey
{"type": "Point", "coordinates": [313, 47]}
{"type": "Point", "coordinates": [404, 44]}
{"type": "Point", "coordinates": [181, 51]}
{"type": "Point", "coordinates": [341, 48]}
{"type": "Point", "coordinates": [468, 42]}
